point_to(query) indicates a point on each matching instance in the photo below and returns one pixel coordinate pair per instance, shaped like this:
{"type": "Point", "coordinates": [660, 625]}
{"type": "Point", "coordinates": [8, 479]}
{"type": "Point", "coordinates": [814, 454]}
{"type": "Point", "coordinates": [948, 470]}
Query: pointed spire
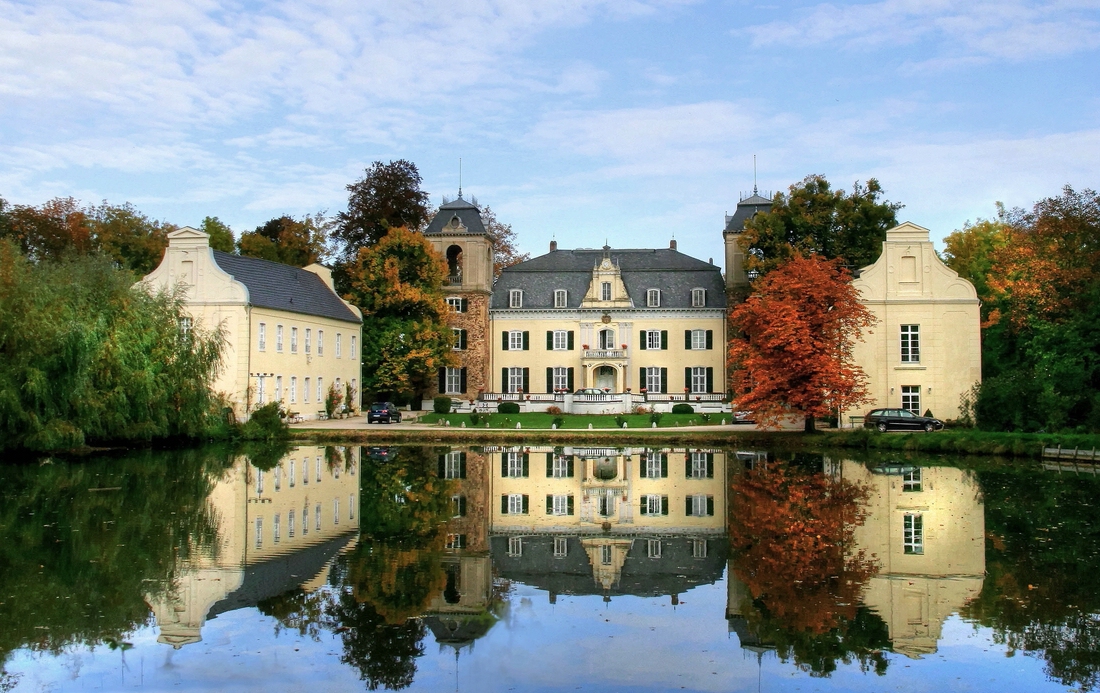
{"type": "Point", "coordinates": [754, 191]}
{"type": "Point", "coordinates": [460, 176]}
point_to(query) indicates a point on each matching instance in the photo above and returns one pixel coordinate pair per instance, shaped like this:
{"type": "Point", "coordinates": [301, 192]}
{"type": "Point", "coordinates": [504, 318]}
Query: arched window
{"type": "Point", "coordinates": [454, 264]}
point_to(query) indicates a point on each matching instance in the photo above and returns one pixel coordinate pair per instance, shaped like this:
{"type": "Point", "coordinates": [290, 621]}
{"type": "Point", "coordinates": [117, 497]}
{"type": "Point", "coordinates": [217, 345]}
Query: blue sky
{"type": "Point", "coordinates": [631, 120]}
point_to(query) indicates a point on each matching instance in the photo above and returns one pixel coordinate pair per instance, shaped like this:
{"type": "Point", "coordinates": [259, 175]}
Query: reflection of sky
{"type": "Point", "coordinates": [580, 643]}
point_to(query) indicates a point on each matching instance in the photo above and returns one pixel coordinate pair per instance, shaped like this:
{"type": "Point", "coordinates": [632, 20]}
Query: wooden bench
{"type": "Point", "coordinates": [293, 417]}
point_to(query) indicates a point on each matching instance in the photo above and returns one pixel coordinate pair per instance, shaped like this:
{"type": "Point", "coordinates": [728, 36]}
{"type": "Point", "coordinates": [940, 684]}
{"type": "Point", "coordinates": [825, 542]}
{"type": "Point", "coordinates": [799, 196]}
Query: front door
{"type": "Point", "coordinates": [605, 378]}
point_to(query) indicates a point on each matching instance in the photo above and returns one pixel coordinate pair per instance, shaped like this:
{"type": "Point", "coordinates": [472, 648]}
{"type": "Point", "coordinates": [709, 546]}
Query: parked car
{"type": "Point", "coordinates": [744, 417]}
{"type": "Point", "coordinates": [383, 412]}
{"type": "Point", "coordinates": [900, 420]}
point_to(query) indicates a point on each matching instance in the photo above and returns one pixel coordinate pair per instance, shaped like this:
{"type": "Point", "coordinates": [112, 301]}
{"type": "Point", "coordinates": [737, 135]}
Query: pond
{"type": "Point", "coordinates": [346, 568]}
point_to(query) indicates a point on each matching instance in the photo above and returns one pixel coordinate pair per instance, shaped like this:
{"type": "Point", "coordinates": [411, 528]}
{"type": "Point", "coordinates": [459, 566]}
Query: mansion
{"type": "Point", "coordinates": [649, 325]}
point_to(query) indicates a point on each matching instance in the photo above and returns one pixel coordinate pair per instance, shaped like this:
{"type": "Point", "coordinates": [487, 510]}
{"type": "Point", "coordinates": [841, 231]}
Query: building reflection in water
{"type": "Point", "coordinates": [278, 529]}
{"type": "Point", "coordinates": [924, 530]}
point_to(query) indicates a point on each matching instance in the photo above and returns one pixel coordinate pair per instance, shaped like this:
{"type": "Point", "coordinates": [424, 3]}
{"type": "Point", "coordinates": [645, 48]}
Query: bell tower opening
{"type": "Point", "coordinates": [454, 264]}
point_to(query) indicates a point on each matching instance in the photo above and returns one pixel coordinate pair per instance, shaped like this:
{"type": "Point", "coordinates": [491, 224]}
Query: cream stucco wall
{"type": "Point", "coordinates": [215, 299]}
{"type": "Point", "coordinates": [910, 285]}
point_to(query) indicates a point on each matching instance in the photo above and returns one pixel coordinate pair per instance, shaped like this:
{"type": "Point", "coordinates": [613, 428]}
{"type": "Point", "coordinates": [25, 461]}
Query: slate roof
{"type": "Point", "coordinates": [746, 209]}
{"type": "Point", "coordinates": [675, 572]}
{"type": "Point", "coordinates": [674, 273]}
{"type": "Point", "coordinates": [467, 213]}
{"type": "Point", "coordinates": [283, 287]}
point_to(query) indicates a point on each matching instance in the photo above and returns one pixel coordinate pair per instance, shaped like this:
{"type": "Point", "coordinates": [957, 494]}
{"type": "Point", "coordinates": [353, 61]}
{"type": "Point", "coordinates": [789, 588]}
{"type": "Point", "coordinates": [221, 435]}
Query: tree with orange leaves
{"type": "Point", "coordinates": [793, 353]}
{"type": "Point", "coordinates": [398, 284]}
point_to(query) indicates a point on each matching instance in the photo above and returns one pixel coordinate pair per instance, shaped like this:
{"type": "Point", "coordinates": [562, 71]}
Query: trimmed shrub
{"type": "Point", "coordinates": [558, 421]}
{"type": "Point", "coordinates": [655, 418]}
{"type": "Point", "coordinates": [682, 408]}
{"type": "Point", "coordinates": [442, 404]}
{"type": "Point", "coordinates": [553, 410]}
{"type": "Point", "coordinates": [508, 407]}
{"type": "Point", "coordinates": [475, 418]}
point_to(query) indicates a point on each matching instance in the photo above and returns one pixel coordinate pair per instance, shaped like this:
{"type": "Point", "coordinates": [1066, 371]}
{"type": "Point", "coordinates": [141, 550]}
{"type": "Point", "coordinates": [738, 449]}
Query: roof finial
{"type": "Point", "coordinates": [460, 176]}
{"type": "Point", "coordinates": [753, 177]}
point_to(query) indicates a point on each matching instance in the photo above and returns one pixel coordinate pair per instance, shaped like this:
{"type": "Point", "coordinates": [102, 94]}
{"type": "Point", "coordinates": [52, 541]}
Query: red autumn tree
{"type": "Point", "coordinates": [793, 353]}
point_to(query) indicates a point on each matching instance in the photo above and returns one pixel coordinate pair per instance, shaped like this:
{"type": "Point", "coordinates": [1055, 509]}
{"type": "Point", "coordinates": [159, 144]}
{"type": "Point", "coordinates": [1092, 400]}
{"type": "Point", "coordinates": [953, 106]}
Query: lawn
{"type": "Point", "coordinates": [578, 421]}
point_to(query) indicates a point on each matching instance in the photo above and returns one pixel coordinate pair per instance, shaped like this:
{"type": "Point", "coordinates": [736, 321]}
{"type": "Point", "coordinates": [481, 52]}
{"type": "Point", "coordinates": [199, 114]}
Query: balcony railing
{"type": "Point", "coordinates": [453, 280]}
{"type": "Point", "coordinates": [604, 354]}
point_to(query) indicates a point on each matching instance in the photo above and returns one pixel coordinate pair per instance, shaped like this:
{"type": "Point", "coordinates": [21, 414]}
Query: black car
{"type": "Point", "coordinates": [383, 412]}
{"type": "Point", "coordinates": [900, 420]}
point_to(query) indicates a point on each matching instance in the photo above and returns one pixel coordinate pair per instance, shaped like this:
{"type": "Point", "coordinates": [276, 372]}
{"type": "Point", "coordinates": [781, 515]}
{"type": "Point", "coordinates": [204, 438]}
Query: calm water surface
{"type": "Point", "coordinates": [545, 569]}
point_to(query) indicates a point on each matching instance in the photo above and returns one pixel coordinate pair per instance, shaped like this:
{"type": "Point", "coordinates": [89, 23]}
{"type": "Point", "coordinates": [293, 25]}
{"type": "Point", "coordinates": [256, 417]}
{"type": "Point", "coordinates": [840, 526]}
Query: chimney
{"type": "Point", "coordinates": [711, 260]}
{"type": "Point", "coordinates": [553, 246]}
{"type": "Point", "coordinates": [672, 244]}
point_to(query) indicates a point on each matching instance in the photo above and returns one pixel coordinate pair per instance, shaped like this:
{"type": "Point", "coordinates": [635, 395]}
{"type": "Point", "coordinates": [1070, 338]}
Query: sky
{"type": "Point", "coordinates": [585, 121]}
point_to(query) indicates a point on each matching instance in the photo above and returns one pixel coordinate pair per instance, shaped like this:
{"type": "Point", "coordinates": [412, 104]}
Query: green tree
{"type": "Point", "coordinates": [969, 250]}
{"type": "Point", "coordinates": [131, 239]}
{"type": "Point", "coordinates": [398, 284]}
{"type": "Point", "coordinates": [814, 218]}
{"type": "Point", "coordinates": [87, 356]}
{"type": "Point", "coordinates": [221, 236]}
{"type": "Point", "coordinates": [388, 195]}
{"type": "Point", "coordinates": [503, 238]}
{"type": "Point", "coordinates": [51, 230]}
{"type": "Point", "coordinates": [297, 242]}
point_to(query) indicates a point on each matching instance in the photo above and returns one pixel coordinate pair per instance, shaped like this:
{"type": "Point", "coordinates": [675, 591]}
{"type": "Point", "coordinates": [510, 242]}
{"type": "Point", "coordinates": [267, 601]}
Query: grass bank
{"type": "Point", "coordinates": [956, 441]}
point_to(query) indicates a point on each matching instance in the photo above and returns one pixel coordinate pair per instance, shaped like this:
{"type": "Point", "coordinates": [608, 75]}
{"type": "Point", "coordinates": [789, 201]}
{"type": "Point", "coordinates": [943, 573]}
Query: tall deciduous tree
{"type": "Point", "coordinates": [969, 250]}
{"type": "Point", "coordinates": [297, 242]}
{"type": "Point", "coordinates": [503, 238]}
{"type": "Point", "coordinates": [129, 237]}
{"type": "Point", "coordinates": [221, 236]}
{"type": "Point", "coordinates": [794, 350]}
{"type": "Point", "coordinates": [388, 195]}
{"type": "Point", "coordinates": [397, 283]}
{"type": "Point", "coordinates": [815, 219]}
{"type": "Point", "coordinates": [51, 230]}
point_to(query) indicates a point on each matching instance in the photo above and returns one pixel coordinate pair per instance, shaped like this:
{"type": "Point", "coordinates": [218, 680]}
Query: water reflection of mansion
{"type": "Point", "coordinates": [611, 521]}
{"type": "Point", "coordinates": [925, 527]}
{"type": "Point", "coordinates": [277, 530]}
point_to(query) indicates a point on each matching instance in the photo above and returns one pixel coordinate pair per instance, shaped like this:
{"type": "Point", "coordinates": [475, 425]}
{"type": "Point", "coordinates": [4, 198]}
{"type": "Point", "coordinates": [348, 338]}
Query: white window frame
{"type": "Point", "coordinates": [293, 389]}
{"type": "Point", "coordinates": [561, 547]}
{"type": "Point", "coordinates": [515, 504]}
{"type": "Point", "coordinates": [335, 511]}
{"type": "Point", "coordinates": [455, 304]}
{"type": "Point", "coordinates": [320, 342]}
{"type": "Point", "coordinates": [559, 467]}
{"type": "Point", "coordinates": [913, 534]}
{"type": "Point", "coordinates": [515, 298]}
{"type": "Point", "coordinates": [317, 517]}
{"type": "Point", "coordinates": [279, 338]}
{"type": "Point", "coordinates": [456, 542]}
{"type": "Point", "coordinates": [653, 548]}
{"type": "Point", "coordinates": [605, 291]}
{"type": "Point", "coordinates": [699, 505]}
{"type": "Point", "coordinates": [185, 324]}
{"type": "Point", "coordinates": [653, 298]}
{"type": "Point", "coordinates": [653, 465]}
{"type": "Point", "coordinates": [515, 379]}
{"type": "Point", "coordinates": [305, 519]}
{"type": "Point", "coordinates": [698, 340]}
{"type": "Point", "coordinates": [515, 340]}
{"type": "Point", "coordinates": [912, 481]}
{"type": "Point", "coordinates": [305, 391]}
{"type": "Point", "coordinates": [561, 298]}
{"type": "Point", "coordinates": [653, 340]}
{"type": "Point", "coordinates": [354, 351]}
{"type": "Point", "coordinates": [262, 337]}
{"type": "Point", "coordinates": [260, 390]}
{"type": "Point", "coordinates": [456, 345]}
{"type": "Point", "coordinates": [560, 504]}
{"type": "Point", "coordinates": [290, 524]}
{"type": "Point", "coordinates": [452, 465]}
{"type": "Point", "coordinates": [515, 465]}
{"type": "Point", "coordinates": [698, 548]}
{"type": "Point", "coordinates": [698, 298]}
{"type": "Point", "coordinates": [653, 502]}
{"type": "Point", "coordinates": [910, 398]}
{"type": "Point", "coordinates": [698, 465]}
{"type": "Point", "coordinates": [909, 342]}
{"type": "Point", "coordinates": [259, 532]}
{"type": "Point", "coordinates": [276, 529]}
{"type": "Point", "coordinates": [317, 468]}
{"type": "Point", "coordinates": [606, 554]}
{"type": "Point", "coordinates": [339, 345]}
{"type": "Point", "coordinates": [259, 482]}
{"type": "Point", "coordinates": [309, 339]}
{"type": "Point", "coordinates": [453, 381]}
{"type": "Point", "coordinates": [560, 340]}
{"type": "Point", "coordinates": [515, 546]}
{"type": "Point", "coordinates": [698, 380]}
{"type": "Point", "coordinates": [320, 390]}
{"type": "Point", "coordinates": [653, 378]}
{"type": "Point", "coordinates": [561, 378]}
{"type": "Point", "coordinates": [278, 477]}
{"type": "Point", "coordinates": [605, 505]}
{"type": "Point", "coordinates": [294, 340]}
{"type": "Point", "coordinates": [291, 477]}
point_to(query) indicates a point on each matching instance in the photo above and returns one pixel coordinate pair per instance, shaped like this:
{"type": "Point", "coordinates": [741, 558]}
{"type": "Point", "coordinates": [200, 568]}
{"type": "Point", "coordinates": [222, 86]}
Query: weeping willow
{"type": "Point", "coordinates": [88, 358]}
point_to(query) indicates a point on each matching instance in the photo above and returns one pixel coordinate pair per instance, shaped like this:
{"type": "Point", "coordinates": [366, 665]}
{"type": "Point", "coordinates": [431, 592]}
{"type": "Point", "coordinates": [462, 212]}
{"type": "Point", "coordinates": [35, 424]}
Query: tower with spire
{"type": "Point", "coordinates": [747, 208]}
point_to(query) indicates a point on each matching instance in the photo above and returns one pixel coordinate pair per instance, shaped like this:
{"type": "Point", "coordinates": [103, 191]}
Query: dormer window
{"type": "Point", "coordinates": [560, 298]}
{"type": "Point", "coordinates": [515, 298]}
{"type": "Point", "coordinates": [605, 291]}
{"type": "Point", "coordinates": [653, 298]}
{"type": "Point", "coordinates": [698, 298]}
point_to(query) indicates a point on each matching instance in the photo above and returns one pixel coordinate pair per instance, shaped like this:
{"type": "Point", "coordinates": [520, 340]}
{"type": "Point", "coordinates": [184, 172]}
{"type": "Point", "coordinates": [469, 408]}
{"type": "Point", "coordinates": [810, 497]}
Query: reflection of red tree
{"type": "Point", "coordinates": [793, 531]}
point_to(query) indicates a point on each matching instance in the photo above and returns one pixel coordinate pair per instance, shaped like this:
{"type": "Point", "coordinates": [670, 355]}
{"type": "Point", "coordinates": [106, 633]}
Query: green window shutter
{"type": "Point", "coordinates": [526, 505]}
{"type": "Point", "coordinates": [664, 340]}
{"type": "Point", "coordinates": [526, 465]}
{"type": "Point", "coordinates": [641, 377]}
{"type": "Point", "coordinates": [569, 467]}
{"type": "Point", "coordinates": [462, 339]}
{"type": "Point", "coordinates": [526, 340]}
{"type": "Point", "coordinates": [710, 339]}
{"type": "Point", "coordinates": [462, 506]}
{"type": "Point", "coordinates": [442, 376]}
{"type": "Point", "coordinates": [464, 305]}
{"type": "Point", "coordinates": [664, 505]}
{"type": "Point", "coordinates": [504, 380]}
{"type": "Point", "coordinates": [710, 506]}
{"type": "Point", "coordinates": [504, 466]}
{"type": "Point", "coordinates": [526, 379]}
{"type": "Point", "coordinates": [549, 504]}
{"type": "Point", "coordinates": [687, 378]}
{"type": "Point", "coordinates": [549, 340]}
{"type": "Point", "coordinates": [643, 506]}
{"type": "Point", "coordinates": [504, 341]}
{"type": "Point", "coordinates": [569, 340]}
{"type": "Point", "coordinates": [504, 504]}
{"type": "Point", "coordinates": [664, 465]}
{"type": "Point", "coordinates": [641, 340]}
{"type": "Point", "coordinates": [710, 379]}
{"type": "Point", "coordinates": [710, 465]}
{"type": "Point", "coordinates": [569, 379]}
{"type": "Point", "coordinates": [462, 465]}
{"type": "Point", "coordinates": [687, 465]}
{"type": "Point", "coordinates": [549, 465]}
{"type": "Point", "coordinates": [549, 379]}
{"type": "Point", "coordinates": [462, 381]}
{"type": "Point", "coordinates": [687, 506]}
{"type": "Point", "coordinates": [442, 463]}
{"type": "Point", "coordinates": [687, 339]}
{"type": "Point", "coordinates": [664, 381]}
{"type": "Point", "coordinates": [569, 505]}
